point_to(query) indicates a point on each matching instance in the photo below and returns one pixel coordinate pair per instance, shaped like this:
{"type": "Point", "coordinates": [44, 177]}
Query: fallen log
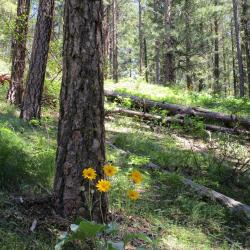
{"type": "Point", "coordinates": [168, 120]}
{"type": "Point", "coordinates": [174, 109]}
{"type": "Point", "coordinates": [235, 207]}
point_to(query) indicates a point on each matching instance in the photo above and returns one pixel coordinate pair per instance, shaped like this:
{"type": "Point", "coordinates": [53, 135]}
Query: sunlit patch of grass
{"type": "Point", "coordinates": [181, 96]}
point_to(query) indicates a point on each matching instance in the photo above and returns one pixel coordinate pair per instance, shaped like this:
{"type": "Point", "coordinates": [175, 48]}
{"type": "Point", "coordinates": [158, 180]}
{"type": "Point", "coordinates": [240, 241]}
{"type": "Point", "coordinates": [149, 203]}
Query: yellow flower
{"type": "Point", "coordinates": [89, 173]}
{"type": "Point", "coordinates": [133, 195]}
{"type": "Point", "coordinates": [109, 170]}
{"type": "Point", "coordinates": [136, 177]}
{"type": "Point", "coordinates": [103, 186]}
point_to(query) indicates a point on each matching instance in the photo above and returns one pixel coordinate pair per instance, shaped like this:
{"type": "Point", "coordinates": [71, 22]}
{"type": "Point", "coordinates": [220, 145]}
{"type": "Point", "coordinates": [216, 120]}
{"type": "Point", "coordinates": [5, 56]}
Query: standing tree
{"type": "Point", "coordinates": [31, 106]}
{"type": "Point", "coordinates": [246, 28]}
{"type": "Point", "coordinates": [217, 85]}
{"type": "Point", "coordinates": [169, 67]}
{"type": "Point", "coordinates": [81, 122]}
{"type": "Point", "coordinates": [114, 41]}
{"type": "Point", "coordinates": [238, 45]}
{"type": "Point", "coordinates": [188, 45]}
{"type": "Point", "coordinates": [19, 52]}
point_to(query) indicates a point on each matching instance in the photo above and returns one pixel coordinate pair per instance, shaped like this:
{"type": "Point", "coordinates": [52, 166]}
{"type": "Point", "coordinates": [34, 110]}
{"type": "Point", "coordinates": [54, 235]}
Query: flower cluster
{"type": "Point", "coordinates": [136, 178]}
{"type": "Point", "coordinates": [104, 185]}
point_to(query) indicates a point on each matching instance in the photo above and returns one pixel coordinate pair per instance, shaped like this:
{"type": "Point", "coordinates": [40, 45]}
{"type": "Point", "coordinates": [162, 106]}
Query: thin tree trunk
{"type": "Point", "coordinates": [81, 123]}
{"type": "Point", "coordinates": [19, 53]}
{"type": "Point", "coordinates": [188, 46]}
{"type": "Point", "coordinates": [233, 62]}
{"type": "Point", "coordinates": [114, 42]}
{"type": "Point", "coordinates": [246, 28]}
{"type": "Point", "coordinates": [157, 48]}
{"type": "Point", "coordinates": [217, 86]}
{"type": "Point", "coordinates": [169, 67]}
{"type": "Point", "coordinates": [238, 45]}
{"type": "Point", "coordinates": [145, 59]}
{"type": "Point", "coordinates": [31, 106]}
{"type": "Point", "coordinates": [141, 39]}
{"type": "Point", "coordinates": [106, 35]}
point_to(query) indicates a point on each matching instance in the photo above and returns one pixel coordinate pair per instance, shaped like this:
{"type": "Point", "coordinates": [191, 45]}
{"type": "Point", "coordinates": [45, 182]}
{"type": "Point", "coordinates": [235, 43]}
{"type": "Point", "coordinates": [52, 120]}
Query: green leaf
{"type": "Point", "coordinates": [87, 229]}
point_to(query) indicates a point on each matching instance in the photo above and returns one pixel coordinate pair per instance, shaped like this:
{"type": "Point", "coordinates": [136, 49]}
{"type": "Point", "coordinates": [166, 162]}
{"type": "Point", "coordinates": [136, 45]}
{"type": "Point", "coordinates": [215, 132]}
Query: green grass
{"type": "Point", "coordinates": [168, 212]}
{"type": "Point", "coordinates": [180, 96]}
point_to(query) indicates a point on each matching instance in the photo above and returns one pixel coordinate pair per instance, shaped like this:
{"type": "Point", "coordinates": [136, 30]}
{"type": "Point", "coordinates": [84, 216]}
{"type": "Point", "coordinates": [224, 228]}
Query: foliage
{"type": "Point", "coordinates": [85, 231]}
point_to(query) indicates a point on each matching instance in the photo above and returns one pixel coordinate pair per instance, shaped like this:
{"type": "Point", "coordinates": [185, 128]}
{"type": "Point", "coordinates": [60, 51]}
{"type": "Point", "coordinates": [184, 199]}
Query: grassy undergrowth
{"type": "Point", "coordinates": [167, 211]}
{"type": "Point", "coordinates": [181, 96]}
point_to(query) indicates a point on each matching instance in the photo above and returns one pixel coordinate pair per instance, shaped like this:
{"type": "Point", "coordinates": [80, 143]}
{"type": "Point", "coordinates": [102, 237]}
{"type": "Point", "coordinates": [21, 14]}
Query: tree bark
{"type": "Point", "coordinates": [169, 67]}
{"type": "Point", "coordinates": [114, 41]}
{"type": "Point", "coordinates": [81, 123]}
{"type": "Point", "coordinates": [246, 28]}
{"type": "Point", "coordinates": [238, 45]}
{"type": "Point", "coordinates": [188, 45]}
{"type": "Point", "coordinates": [146, 105]}
{"type": "Point", "coordinates": [157, 47]}
{"type": "Point", "coordinates": [233, 62]}
{"type": "Point", "coordinates": [145, 58]}
{"type": "Point", "coordinates": [106, 35]}
{"type": "Point", "coordinates": [217, 86]}
{"type": "Point", "coordinates": [31, 106]}
{"type": "Point", "coordinates": [141, 38]}
{"type": "Point", "coordinates": [15, 91]}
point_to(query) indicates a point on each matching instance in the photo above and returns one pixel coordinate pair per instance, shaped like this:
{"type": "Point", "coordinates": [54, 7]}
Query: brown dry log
{"type": "Point", "coordinates": [168, 120]}
{"type": "Point", "coordinates": [174, 109]}
{"type": "Point", "coordinates": [237, 208]}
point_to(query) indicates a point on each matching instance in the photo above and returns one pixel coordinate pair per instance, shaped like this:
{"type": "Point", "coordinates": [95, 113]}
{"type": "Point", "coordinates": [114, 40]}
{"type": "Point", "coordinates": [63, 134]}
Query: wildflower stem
{"type": "Point", "coordinates": [100, 203]}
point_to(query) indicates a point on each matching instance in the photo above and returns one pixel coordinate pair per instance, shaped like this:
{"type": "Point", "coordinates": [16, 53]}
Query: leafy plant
{"type": "Point", "coordinates": [85, 231]}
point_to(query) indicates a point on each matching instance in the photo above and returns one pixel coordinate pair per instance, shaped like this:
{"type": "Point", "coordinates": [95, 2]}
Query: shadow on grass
{"type": "Point", "coordinates": [171, 208]}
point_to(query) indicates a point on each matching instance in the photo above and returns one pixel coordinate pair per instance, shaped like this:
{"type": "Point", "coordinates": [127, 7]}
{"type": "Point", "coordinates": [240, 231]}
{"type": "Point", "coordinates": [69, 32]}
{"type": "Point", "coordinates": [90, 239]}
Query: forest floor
{"type": "Point", "coordinates": [167, 211]}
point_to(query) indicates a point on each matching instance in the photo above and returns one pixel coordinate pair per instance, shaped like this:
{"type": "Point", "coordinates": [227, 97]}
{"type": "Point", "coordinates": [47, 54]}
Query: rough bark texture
{"type": "Point", "coordinates": [233, 62]}
{"type": "Point", "coordinates": [81, 122]}
{"type": "Point", "coordinates": [145, 104]}
{"type": "Point", "coordinates": [15, 91]}
{"type": "Point", "coordinates": [188, 45]}
{"type": "Point", "coordinates": [141, 38]}
{"type": "Point", "coordinates": [31, 106]}
{"type": "Point", "coordinates": [217, 86]}
{"type": "Point", "coordinates": [237, 208]}
{"type": "Point", "coordinates": [114, 41]}
{"type": "Point", "coordinates": [169, 67]}
{"type": "Point", "coordinates": [157, 47]}
{"type": "Point", "coordinates": [106, 37]}
{"type": "Point", "coordinates": [246, 28]}
{"type": "Point", "coordinates": [238, 45]}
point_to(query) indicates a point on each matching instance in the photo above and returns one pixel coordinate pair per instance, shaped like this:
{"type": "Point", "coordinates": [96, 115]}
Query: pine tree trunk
{"type": "Point", "coordinates": [81, 122]}
{"type": "Point", "coordinates": [246, 28]}
{"type": "Point", "coordinates": [114, 42]}
{"type": "Point", "coordinates": [188, 46]}
{"type": "Point", "coordinates": [157, 48]}
{"type": "Point", "coordinates": [141, 38]}
{"type": "Point", "coordinates": [233, 62]}
{"type": "Point", "coordinates": [238, 45]}
{"type": "Point", "coordinates": [31, 106]}
{"type": "Point", "coordinates": [106, 35]}
{"type": "Point", "coordinates": [145, 58]}
{"type": "Point", "coordinates": [15, 91]}
{"type": "Point", "coordinates": [169, 67]}
{"type": "Point", "coordinates": [217, 86]}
